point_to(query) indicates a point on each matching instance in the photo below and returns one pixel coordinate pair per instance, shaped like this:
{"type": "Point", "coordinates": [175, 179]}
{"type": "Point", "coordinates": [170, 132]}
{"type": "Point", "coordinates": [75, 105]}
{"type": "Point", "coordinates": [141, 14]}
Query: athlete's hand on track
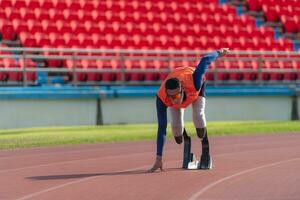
{"type": "Point", "coordinates": [157, 165]}
{"type": "Point", "coordinates": [224, 51]}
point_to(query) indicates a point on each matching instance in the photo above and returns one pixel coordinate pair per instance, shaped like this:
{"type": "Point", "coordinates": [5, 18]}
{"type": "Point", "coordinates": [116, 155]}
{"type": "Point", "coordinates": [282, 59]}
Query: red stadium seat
{"type": "Point", "coordinates": [28, 63]}
{"type": "Point", "coordinates": [12, 63]}
{"type": "Point", "coordinates": [45, 4]}
{"type": "Point", "coordinates": [7, 31]}
{"type": "Point", "coordinates": [20, 26]}
{"type": "Point", "coordinates": [6, 3]}
{"type": "Point", "coordinates": [253, 65]}
{"type": "Point", "coordinates": [135, 65]}
{"type": "Point", "coordinates": [270, 14]}
{"type": "Point", "coordinates": [91, 76]}
{"type": "Point", "coordinates": [61, 5]}
{"type": "Point", "coordinates": [77, 64]}
{"type": "Point", "coordinates": [254, 5]}
{"type": "Point", "coordinates": [289, 24]}
{"type": "Point", "coordinates": [52, 62]}
{"type": "Point", "coordinates": [42, 40]}
{"type": "Point", "coordinates": [87, 6]}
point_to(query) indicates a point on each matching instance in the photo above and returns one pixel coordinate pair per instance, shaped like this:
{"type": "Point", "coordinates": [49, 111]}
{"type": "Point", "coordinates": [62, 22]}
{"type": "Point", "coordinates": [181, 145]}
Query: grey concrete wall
{"type": "Point", "coordinates": [142, 110]}
{"type": "Point", "coordinates": [128, 110]}
{"type": "Point", "coordinates": [38, 113]}
{"type": "Point", "coordinates": [249, 108]}
{"type": "Point", "coordinates": [34, 113]}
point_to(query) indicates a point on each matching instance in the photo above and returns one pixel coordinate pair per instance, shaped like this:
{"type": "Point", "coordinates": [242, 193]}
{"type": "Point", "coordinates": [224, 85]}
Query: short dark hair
{"type": "Point", "coordinates": [172, 83]}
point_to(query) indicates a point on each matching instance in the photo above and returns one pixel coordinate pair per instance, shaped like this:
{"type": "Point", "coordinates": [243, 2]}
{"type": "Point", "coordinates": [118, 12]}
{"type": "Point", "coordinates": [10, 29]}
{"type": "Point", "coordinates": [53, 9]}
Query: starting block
{"type": "Point", "coordinates": [194, 163]}
{"type": "Point", "coordinates": [189, 159]}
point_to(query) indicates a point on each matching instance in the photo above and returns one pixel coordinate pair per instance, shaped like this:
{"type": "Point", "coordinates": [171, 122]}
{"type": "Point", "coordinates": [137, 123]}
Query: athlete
{"type": "Point", "coordinates": [184, 86]}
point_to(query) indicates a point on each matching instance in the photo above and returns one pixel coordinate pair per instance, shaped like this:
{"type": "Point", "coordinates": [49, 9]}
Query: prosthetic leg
{"type": "Point", "coordinates": [205, 160]}
{"type": "Point", "coordinates": [189, 159]}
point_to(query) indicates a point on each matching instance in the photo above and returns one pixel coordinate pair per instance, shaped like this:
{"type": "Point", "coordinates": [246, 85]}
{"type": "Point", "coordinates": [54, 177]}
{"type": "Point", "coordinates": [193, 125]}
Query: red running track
{"type": "Point", "coordinates": [247, 168]}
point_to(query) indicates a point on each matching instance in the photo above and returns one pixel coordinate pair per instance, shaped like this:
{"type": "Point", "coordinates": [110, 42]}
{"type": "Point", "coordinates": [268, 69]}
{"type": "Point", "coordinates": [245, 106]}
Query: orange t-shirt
{"type": "Point", "coordinates": [185, 76]}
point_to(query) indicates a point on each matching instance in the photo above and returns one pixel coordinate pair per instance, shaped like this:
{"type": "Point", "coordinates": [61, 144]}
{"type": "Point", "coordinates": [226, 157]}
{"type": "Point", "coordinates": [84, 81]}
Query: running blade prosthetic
{"type": "Point", "coordinates": [205, 162]}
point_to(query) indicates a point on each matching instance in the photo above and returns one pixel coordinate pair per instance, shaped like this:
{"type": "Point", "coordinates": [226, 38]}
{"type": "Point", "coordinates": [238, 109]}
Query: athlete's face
{"type": "Point", "coordinates": [175, 95]}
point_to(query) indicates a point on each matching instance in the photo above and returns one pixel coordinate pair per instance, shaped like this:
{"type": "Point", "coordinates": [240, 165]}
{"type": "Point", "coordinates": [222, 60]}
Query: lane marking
{"type": "Point", "coordinates": [79, 181]}
{"type": "Point", "coordinates": [87, 150]}
{"type": "Point", "coordinates": [213, 184]}
{"type": "Point", "coordinates": [97, 148]}
{"type": "Point", "coordinates": [120, 156]}
{"type": "Point", "coordinates": [89, 178]}
{"type": "Point", "coordinates": [72, 161]}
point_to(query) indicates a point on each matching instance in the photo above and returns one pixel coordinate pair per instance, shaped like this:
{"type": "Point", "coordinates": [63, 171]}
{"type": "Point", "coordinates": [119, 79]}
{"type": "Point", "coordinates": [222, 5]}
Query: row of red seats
{"type": "Point", "coordinates": [11, 62]}
{"type": "Point", "coordinates": [60, 26]}
{"type": "Point", "coordinates": [253, 63]}
{"type": "Point", "coordinates": [286, 12]}
{"type": "Point", "coordinates": [151, 41]}
{"type": "Point", "coordinates": [117, 6]}
{"type": "Point", "coordinates": [256, 5]}
{"type": "Point", "coordinates": [110, 16]}
{"type": "Point", "coordinates": [129, 27]}
{"type": "Point", "coordinates": [156, 76]}
{"type": "Point", "coordinates": [182, 30]}
{"type": "Point", "coordinates": [289, 20]}
{"type": "Point", "coordinates": [141, 64]}
{"type": "Point", "coordinates": [16, 76]}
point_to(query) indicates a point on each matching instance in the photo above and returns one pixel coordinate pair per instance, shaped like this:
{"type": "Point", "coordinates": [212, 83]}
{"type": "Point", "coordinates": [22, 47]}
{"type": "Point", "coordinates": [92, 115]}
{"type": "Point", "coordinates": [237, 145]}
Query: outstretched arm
{"type": "Point", "coordinates": [203, 65]}
{"type": "Point", "coordinates": [162, 125]}
{"type": "Point", "coordinates": [161, 109]}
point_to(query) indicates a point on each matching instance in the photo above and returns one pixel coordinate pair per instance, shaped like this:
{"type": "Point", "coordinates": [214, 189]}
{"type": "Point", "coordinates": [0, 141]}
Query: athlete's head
{"type": "Point", "coordinates": [174, 90]}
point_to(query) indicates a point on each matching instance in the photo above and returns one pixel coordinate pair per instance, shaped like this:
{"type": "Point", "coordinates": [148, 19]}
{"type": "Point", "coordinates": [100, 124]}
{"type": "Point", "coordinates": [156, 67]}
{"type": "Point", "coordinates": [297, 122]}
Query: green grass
{"type": "Point", "coordinates": [39, 137]}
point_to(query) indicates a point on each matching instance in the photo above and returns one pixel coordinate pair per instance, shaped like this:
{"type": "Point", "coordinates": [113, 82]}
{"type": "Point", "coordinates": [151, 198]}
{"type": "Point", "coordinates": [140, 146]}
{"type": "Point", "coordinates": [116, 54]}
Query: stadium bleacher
{"type": "Point", "coordinates": [145, 25]}
{"type": "Point", "coordinates": [285, 11]}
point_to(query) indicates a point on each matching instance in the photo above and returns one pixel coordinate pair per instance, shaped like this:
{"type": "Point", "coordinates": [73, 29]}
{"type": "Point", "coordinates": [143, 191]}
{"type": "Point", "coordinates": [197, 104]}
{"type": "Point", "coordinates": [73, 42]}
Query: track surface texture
{"type": "Point", "coordinates": [245, 167]}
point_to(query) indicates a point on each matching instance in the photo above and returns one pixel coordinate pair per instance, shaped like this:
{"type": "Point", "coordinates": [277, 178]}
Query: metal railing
{"type": "Point", "coordinates": [265, 63]}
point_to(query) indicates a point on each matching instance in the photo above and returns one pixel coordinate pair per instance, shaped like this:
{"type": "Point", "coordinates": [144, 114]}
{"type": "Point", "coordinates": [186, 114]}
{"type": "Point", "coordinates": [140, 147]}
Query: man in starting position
{"type": "Point", "coordinates": [184, 86]}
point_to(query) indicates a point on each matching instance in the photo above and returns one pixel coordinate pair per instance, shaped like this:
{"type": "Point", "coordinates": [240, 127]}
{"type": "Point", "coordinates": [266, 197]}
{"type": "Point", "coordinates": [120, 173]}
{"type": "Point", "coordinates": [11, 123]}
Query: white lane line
{"type": "Point", "coordinates": [89, 178]}
{"type": "Point", "coordinates": [65, 184]}
{"type": "Point", "coordinates": [86, 179]}
{"type": "Point", "coordinates": [97, 149]}
{"type": "Point", "coordinates": [79, 181]}
{"type": "Point", "coordinates": [247, 143]}
{"type": "Point", "coordinates": [213, 184]}
{"type": "Point", "coordinates": [73, 161]}
{"type": "Point", "coordinates": [106, 157]}
{"type": "Point", "coordinates": [120, 156]}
